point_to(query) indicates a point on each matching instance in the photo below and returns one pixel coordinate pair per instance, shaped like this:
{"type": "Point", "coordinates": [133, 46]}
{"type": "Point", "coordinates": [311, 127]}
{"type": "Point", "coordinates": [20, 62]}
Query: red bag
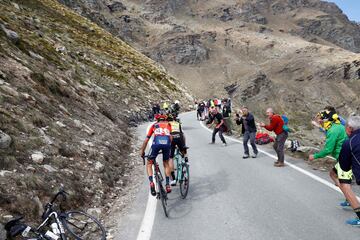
{"type": "Point", "coordinates": [263, 138]}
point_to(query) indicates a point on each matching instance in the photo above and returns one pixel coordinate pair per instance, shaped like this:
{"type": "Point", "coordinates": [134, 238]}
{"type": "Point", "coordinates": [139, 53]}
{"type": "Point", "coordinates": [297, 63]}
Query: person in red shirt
{"type": "Point", "coordinates": [161, 131]}
{"type": "Point", "coordinates": [276, 125]}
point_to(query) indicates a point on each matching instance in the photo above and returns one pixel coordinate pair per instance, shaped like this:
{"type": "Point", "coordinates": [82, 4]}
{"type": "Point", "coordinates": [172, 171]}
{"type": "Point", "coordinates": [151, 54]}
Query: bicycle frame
{"type": "Point", "coordinates": [158, 175]}
{"type": "Point", "coordinates": [180, 160]}
{"type": "Point", "coordinates": [59, 224]}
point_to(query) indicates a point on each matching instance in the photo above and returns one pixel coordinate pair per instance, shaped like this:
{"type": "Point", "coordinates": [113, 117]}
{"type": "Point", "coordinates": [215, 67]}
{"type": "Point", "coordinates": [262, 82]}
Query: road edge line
{"type": "Point", "coordinates": [148, 220]}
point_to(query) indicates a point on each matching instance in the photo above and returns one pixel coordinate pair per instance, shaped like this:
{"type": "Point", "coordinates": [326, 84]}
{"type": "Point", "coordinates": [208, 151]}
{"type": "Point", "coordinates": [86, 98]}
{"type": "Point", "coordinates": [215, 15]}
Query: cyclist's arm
{"type": "Point", "coordinates": [146, 141]}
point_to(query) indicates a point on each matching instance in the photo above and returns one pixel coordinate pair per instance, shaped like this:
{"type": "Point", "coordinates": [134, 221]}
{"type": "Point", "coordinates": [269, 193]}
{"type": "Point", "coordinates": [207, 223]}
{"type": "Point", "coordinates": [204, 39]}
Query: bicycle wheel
{"type": "Point", "coordinates": [184, 180]}
{"type": "Point", "coordinates": [163, 198]}
{"type": "Point", "coordinates": [83, 226]}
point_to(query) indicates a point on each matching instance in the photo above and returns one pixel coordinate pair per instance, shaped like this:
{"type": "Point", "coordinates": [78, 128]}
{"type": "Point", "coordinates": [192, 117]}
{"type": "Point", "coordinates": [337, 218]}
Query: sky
{"type": "Point", "coordinates": [350, 7]}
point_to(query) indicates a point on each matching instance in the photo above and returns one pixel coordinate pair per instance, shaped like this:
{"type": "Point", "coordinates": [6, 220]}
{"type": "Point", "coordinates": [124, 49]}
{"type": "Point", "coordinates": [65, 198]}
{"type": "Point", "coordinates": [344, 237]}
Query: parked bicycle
{"type": "Point", "coordinates": [160, 190]}
{"type": "Point", "coordinates": [182, 172]}
{"type": "Point", "coordinates": [58, 225]}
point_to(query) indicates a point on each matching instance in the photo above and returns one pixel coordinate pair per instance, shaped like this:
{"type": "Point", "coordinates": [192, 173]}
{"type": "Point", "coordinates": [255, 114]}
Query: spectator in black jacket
{"type": "Point", "coordinates": [248, 130]}
{"type": "Point", "coordinates": [220, 127]}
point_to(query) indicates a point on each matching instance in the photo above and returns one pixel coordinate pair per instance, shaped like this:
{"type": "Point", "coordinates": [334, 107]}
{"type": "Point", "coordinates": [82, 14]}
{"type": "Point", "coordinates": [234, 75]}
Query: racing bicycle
{"type": "Point", "coordinates": [58, 225]}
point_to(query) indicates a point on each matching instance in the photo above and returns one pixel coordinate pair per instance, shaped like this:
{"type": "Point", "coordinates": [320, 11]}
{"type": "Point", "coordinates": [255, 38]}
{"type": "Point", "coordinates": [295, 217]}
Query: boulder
{"type": "Point", "coordinates": [99, 166]}
{"type": "Point", "coordinates": [11, 35]}
{"type": "Point", "coordinates": [49, 168]}
{"type": "Point", "coordinates": [5, 140]}
{"type": "Point", "coordinates": [37, 157]}
{"type": "Point", "coordinates": [116, 7]}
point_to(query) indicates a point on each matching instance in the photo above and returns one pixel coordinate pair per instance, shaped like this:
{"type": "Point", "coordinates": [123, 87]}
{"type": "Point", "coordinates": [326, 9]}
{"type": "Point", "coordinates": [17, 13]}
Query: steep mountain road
{"type": "Point", "coordinates": [235, 198]}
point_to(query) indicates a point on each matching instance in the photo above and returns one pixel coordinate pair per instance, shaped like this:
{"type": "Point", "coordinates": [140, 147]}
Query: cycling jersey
{"type": "Point", "coordinates": [161, 132]}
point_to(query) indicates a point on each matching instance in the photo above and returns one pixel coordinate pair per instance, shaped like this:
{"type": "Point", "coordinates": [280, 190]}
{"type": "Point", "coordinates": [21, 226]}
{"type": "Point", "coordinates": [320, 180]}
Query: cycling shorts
{"type": "Point", "coordinates": [344, 177]}
{"type": "Point", "coordinates": [179, 142]}
{"type": "Point", "coordinates": [156, 148]}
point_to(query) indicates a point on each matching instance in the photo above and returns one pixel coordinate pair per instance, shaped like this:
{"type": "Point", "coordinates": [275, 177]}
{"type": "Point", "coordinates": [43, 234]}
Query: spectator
{"type": "Point", "coordinates": [200, 111]}
{"type": "Point", "coordinates": [248, 129]}
{"type": "Point", "coordinates": [276, 125]}
{"type": "Point", "coordinates": [335, 137]}
{"type": "Point", "coordinates": [220, 126]}
{"type": "Point", "coordinates": [226, 111]}
{"type": "Point", "coordinates": [349, 163]}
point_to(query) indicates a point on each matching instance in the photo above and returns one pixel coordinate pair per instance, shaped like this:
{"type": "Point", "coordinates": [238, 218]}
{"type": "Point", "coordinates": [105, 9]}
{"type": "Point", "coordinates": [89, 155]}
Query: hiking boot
{"type": "Point", "coordinates": [353, 222]}
{"type": "Point", "coordinates": [152, 188]}
{"type": "Point", "coordinates": [345, 204]}
{"type": "Point", "coordinates": [276, 162]}
{"type": "Point", "coordinates": [279, 164]}
{"type": "Point", "coordinates": [173, 183]}
{"type": "Point", "coordinates": [254, 155]}
{"type": "Point", "coordinates": [246, 156]}
{"type": "Point", "coordinates": [168, 188]}
{"type": "Point", "coordinates": [224, 144]}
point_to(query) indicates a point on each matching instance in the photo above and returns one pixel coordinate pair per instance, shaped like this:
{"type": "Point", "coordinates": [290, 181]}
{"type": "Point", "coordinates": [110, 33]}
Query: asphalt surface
{"type": "Point", "coordinates": [235, 198]}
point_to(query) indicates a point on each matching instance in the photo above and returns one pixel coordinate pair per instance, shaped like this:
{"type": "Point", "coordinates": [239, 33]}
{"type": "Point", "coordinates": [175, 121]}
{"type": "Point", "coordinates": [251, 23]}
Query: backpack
{"type": "Point", "coordinates": [295, 144]}
{"type": "Point", "coordinates": [263, 138]}
{"type": "Point", "coordinates": [286, 121]}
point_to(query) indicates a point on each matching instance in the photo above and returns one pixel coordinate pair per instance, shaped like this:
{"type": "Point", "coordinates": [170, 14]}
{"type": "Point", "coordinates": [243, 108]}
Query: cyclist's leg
{"type": "Point", "coordinates": [166, 157]}
{"type": "Point", "coordinates": [182, 147]}
{"type": "Point", "coordinates": [150, 162]}
{"type": "Point", "coordinates": [171, 161]}
{"type": "Point", "coordinates": [152, 156]}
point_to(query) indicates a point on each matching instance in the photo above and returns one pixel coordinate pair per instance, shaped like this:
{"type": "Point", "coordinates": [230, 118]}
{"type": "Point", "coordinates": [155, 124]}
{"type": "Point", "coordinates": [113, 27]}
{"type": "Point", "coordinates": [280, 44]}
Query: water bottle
{"type": "Point", "coordinates": [55, 229]}
{"type": "Point", "coordinates": [51, 235]}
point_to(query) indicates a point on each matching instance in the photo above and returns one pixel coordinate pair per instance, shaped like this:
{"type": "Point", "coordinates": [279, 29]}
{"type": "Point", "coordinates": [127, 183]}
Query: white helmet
{"type": "Point", "coordinates": [177, 102]}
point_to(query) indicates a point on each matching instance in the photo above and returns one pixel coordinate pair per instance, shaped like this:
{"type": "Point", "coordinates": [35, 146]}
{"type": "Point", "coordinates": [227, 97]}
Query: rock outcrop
{"type": "Point", "coordinates": [69, 92]}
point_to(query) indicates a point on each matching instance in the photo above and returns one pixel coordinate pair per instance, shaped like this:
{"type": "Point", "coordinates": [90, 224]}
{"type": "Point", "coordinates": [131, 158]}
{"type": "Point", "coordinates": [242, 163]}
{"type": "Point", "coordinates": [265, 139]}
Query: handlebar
{"type": "Point", "coordinates": [62, 193]}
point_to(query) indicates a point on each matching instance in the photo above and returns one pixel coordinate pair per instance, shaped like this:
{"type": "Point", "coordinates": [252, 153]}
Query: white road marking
{"type": "Point", "coordinates": [148, 220]}
{"type": "Point", "coordinates": [303, 171]}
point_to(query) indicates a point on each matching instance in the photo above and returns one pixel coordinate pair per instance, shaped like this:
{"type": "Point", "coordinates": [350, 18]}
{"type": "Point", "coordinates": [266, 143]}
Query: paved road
{"type": "Point", "coordinates": [235, 198]}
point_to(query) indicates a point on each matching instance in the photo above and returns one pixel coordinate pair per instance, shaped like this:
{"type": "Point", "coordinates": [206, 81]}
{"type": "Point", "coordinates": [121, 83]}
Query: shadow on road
{"type": "Point", "coordinates": [200, 188]}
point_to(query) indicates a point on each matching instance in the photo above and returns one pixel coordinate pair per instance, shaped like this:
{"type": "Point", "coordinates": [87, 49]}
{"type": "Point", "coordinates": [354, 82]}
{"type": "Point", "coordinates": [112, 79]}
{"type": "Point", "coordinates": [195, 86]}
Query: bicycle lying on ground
{"type": "Point", "coordinates": [160, 190]}
{"type": "Point", "coordinates": [58, 225]}
{"type": "Point", "coordinates": [182, 172]}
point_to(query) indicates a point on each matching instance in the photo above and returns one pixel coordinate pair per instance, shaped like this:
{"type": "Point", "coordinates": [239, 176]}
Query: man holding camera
{"type": "Point", "coordinates": [248, 130]}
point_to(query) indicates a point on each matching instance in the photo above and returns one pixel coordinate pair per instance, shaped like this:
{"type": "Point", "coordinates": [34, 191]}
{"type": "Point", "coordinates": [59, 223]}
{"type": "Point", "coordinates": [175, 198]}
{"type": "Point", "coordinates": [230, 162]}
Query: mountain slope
{"type": "Point", "coordinates": [69, 91]}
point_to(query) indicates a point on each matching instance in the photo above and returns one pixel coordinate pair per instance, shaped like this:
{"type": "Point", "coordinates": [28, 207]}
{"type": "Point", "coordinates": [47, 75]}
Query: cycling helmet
{"type": "Point", "coordinates": [160, 117]}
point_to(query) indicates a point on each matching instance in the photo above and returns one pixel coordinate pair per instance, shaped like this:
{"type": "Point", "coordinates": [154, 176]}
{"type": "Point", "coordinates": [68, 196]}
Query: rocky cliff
{"type": "Point", "coordinates": [69, 92]}
{"type": "Point", "coordinates": [294, 55]}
